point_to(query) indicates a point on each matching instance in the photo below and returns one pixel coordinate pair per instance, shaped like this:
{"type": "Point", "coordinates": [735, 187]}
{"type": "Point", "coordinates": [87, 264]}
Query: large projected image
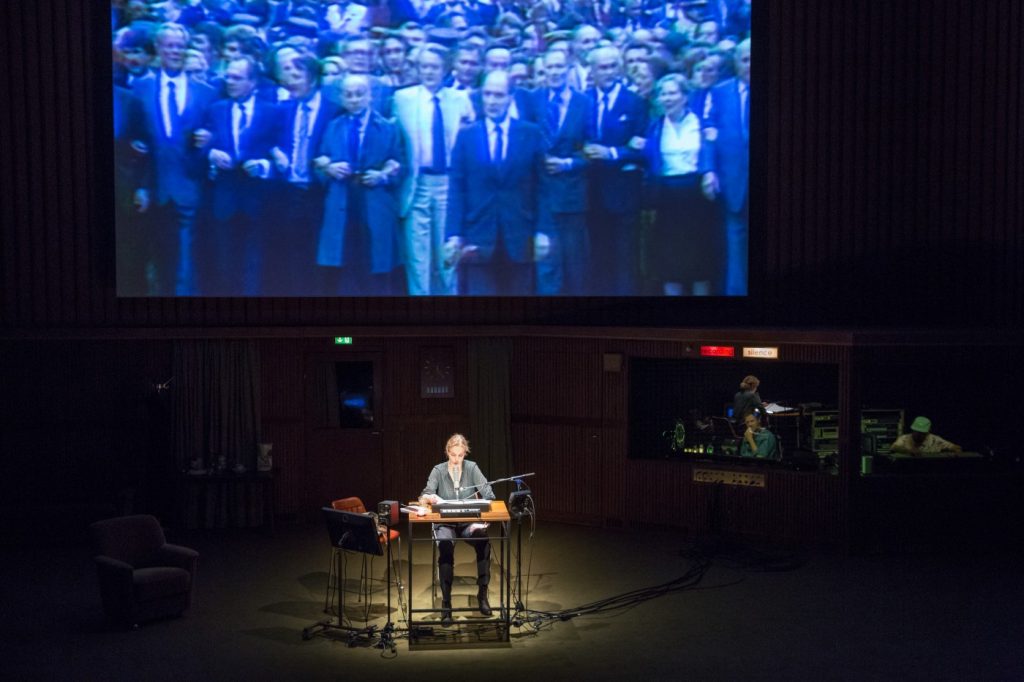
{"type": "Point", "coordinates": [431, 147]}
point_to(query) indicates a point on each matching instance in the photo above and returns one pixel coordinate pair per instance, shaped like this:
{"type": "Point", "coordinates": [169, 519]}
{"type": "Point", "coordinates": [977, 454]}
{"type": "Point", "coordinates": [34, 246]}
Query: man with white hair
{"type": "Point", "coordinates": [429, 117]}
{"type": "Point", "coordinates": [360, 160]}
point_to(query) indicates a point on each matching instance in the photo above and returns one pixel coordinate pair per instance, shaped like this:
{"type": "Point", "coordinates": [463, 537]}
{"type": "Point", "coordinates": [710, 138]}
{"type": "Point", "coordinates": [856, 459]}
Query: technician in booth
{"type": "Point", "coordinates": [454, 479]}
{"type": "Point", "coordinates": [747, 399]}
{"type": "Point", "coordinates": [921, 441]}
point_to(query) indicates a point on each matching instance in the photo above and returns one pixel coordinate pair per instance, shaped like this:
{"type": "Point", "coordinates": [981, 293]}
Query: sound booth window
{"type": "Point", "coordinates": [665, 393]}
{"type": "Point", "coordinates": [297, 149]}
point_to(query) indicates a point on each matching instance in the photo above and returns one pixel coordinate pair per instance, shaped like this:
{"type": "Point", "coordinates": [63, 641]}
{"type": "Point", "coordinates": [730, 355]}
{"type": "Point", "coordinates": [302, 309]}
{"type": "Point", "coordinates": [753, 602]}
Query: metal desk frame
{"type": "Point", "coordinates": [498, 515]}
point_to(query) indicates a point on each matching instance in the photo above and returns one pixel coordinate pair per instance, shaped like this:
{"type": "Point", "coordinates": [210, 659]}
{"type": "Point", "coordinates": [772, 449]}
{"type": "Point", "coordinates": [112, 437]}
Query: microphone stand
{"type": "Point", "coordinates": [497, 480]}
{"type": "Point", "coordinates": [519, 555]}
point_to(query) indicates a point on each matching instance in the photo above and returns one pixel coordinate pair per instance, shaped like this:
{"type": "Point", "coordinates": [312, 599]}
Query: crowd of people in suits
{"type": "Point", "coordinates": [431, 147]}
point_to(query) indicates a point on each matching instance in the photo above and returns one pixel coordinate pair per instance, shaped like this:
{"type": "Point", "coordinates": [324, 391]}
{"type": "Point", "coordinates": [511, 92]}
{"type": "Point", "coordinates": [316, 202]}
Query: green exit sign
{"type": "Point", "coordinates": [342, 340]}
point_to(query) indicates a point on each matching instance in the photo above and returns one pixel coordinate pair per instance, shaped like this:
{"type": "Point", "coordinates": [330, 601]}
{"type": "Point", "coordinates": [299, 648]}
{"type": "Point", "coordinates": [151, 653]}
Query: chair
{"type": "Point", "coordinates": [142, 577]}
{"type": "Point", "coordinates": [356, 506]}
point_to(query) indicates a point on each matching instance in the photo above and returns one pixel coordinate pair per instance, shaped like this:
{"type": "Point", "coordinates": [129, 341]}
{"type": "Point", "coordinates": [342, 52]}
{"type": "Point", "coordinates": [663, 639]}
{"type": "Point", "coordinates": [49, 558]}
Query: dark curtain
{"type": "Point", "coordinates": [216, 403]}
{"type": "Point", "coordinates": [216, 421]}
{"type": "Point", "coordinates": [489, 406]}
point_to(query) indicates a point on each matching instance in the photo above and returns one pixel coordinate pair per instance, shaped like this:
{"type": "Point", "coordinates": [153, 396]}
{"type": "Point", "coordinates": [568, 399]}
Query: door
{"type": "Point", "coordinates": [343, 427]}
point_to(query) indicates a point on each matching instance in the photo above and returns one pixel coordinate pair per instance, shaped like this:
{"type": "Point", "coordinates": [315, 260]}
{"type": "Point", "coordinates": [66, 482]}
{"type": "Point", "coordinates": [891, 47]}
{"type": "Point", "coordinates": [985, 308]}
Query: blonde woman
{"type": "Point", "coordinates": [454, 479]}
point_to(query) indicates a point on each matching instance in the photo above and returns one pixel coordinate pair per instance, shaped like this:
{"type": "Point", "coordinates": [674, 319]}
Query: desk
{"type": "Point", "coordinates": [499, 517]}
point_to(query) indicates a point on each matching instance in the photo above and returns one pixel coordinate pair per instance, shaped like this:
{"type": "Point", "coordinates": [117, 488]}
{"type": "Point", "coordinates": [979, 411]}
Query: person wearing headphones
{"type": "Point", "coordinates": [459, 479]}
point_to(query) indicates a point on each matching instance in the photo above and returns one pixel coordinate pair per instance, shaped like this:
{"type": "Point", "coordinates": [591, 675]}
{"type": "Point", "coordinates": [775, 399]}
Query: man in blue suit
{"type": "Point", "coordinates": [173, 107]}
{"type": "Point", "coordinates": [492, 208]}
{"type": "Point", "coordinates": [566, 117]}
{"type": "Point", "coordinates": [361, 161]}
{"type": "Point", "coordinates": [729, 133]}
{"type": "Point", "coordinates": [239, 135]}
{"type": "Point", "coordinates": [298, 198]}
{"type": "Point", "coordinates": [620, 122]}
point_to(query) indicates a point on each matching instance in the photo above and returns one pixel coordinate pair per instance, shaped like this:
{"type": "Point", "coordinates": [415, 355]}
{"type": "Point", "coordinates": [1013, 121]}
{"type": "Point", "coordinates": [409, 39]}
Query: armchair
{"type": "Point", "coordinates": [141, 576]}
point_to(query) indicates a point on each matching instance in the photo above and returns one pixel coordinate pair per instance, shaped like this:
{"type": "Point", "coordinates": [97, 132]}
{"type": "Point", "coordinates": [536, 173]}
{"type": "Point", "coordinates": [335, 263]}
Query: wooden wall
{"type": "Point", "coordinates": [887, 183]}
{"type": "Point", "coordinates": [82, 422]}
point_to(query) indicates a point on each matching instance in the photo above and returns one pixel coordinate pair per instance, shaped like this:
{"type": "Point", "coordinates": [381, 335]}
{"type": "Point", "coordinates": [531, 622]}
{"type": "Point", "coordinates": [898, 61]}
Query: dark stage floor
{"type": "Point", "coordinates": [754, 615]}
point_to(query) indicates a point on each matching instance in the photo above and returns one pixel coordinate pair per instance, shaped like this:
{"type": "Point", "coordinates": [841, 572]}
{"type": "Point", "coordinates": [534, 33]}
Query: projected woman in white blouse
{"type": "Point", "coordinates": [685, 250]}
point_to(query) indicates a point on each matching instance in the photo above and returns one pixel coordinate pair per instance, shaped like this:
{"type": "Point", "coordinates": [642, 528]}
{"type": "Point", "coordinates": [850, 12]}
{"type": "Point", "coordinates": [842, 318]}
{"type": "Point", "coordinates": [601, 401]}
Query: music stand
{"type": "Point", "coordinates": [356, 533]}
{"type": "Point", "coordinates": [352, 531]}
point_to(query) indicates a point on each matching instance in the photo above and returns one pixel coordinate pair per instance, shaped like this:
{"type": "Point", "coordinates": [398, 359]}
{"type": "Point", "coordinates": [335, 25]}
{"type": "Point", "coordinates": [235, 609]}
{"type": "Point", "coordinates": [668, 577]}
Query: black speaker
{"type": "Point", "coordinates": [387, 512]}
{"type": "Point", "coordinates": [520, 503]}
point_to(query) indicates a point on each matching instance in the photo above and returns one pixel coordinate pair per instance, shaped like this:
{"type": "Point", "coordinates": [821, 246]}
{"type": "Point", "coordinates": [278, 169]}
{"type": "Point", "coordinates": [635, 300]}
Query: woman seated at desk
{"type": "Point", "coordinates": [459, 478]}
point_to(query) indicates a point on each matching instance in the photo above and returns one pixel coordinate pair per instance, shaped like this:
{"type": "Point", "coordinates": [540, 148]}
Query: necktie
{"type": "Point", "coordinates": [602, 114]}
{"type": "Point", "coordinates": [172, 107]}
{"type": "Point", "coordinates": [301, 162]}
{"type": "Point", "coordinates": [353, 140]}
{"type": "Point", "coordinates": [437, 135]}
{"type": "Point", "coordinates": [554, 111]}
{"type": "Point", "coordinates": [242, 123]}
{"type": "Point", "coordinates": [498, 146]}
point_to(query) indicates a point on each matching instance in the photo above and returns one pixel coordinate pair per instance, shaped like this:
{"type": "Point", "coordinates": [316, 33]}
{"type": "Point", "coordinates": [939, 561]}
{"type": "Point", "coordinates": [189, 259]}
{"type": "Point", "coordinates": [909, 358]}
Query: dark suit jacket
{"type": "Point", "coordinates": [234, 191]}
{"type": "Point", "coordinates": [485, 199]}
{"type": "Point", "coordinates": [615, 183]}
{"type": "Point", "coordinates": [381, 142]}
{"type": "Point", "coordinates": [731, 146]}
{"type": "Point", "coordinates": [565, 192]}
{"type": "Point", "coordinates": [132, 169]}
{"type": "Point", "coordinates": [178, 166]}
{"type": "Point", "coordinates": [286, 140]}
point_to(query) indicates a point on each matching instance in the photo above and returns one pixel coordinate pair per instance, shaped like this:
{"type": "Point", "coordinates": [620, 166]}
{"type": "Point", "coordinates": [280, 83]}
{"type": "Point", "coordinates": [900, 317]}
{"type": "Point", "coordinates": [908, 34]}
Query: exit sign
{"type": "Point", "coordinates": [342, 340]}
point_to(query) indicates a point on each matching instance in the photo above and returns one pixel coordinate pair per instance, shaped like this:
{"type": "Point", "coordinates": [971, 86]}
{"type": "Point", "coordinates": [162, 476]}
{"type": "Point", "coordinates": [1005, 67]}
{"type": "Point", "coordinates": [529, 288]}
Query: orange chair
{"type": "Point", "coordinates": [356, 506]}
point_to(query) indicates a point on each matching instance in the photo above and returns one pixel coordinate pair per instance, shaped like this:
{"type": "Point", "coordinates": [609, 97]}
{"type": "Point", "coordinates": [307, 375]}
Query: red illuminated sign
{"type": "Point", "coordinates": [717, 351]}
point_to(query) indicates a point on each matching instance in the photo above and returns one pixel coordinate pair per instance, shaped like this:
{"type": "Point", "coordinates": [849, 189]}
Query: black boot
{"type": "Point", "coordinates": [447, 575]}
{"type": "Point", "coordinates": [485, 606]}
{"type": "Point", "coordinates": [483, 577]}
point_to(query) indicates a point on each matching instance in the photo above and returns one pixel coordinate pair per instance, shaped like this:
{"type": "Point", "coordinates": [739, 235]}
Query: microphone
{"type": "Point", "coordinates": [457, 479]}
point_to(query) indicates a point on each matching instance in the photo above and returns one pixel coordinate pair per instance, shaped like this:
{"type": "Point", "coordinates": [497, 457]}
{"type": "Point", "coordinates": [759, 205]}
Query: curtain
{"type": "Point", "coordinates": [216, 427]}
{"type": "Point", "coordinates": [216, 406]}
{"type": "Point", "coordinates": [489, 406]}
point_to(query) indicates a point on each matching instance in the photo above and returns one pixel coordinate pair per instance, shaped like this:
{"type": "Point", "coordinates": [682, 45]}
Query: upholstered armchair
{"type": "Point", "coordinates": [142, 577]}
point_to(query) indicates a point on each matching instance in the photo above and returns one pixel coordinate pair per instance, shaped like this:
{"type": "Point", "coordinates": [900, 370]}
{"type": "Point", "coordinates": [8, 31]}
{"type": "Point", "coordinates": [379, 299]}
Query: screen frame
{"type": "Point", "coordinates": [613, 311]}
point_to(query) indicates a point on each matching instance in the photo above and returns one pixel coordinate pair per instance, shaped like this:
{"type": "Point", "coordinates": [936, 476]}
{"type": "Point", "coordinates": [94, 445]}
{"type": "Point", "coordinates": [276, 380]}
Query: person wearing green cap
{"type": "Point", "coordinates": [921, 440]}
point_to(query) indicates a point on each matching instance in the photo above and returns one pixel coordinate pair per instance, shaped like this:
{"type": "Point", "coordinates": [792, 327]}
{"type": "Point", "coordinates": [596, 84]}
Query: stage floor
{"type": "Point", "coordinates": [754, 615]}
